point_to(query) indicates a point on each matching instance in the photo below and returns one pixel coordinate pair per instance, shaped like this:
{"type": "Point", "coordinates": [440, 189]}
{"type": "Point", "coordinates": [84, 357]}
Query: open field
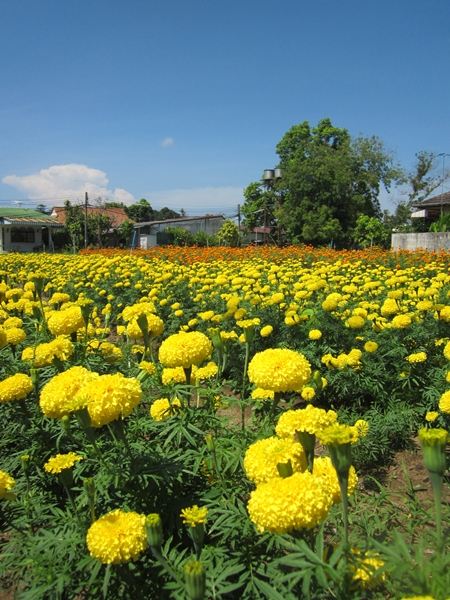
{"type": "Point", "coordinates": [235, 381]}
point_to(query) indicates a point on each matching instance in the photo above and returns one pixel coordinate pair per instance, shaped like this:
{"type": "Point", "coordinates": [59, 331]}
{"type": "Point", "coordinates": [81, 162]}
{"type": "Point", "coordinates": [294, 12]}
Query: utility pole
{"type": "Point", "coordinates": [239, 224]}
{"type": "Point", "coordinates": [85, 218]}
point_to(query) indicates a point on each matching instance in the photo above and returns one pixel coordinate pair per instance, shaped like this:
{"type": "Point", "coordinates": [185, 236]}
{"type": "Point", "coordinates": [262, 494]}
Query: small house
{"type": "Point", "coordinates": [26, 230]}
{"type": "Point", "coordinates": [150, 232]}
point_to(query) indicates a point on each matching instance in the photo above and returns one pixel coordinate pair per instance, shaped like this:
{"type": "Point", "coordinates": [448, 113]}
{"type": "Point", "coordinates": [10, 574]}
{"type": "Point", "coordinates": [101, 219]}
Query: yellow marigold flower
{"type": "Point", "coordinates": [260, 394]}
{"type": "Point", "coordinates": [447, 351]}
{"type": "Point", "coordinates": [401, 321]}
{"type": "Point", "coordinates": [248, 323]}
{"type": "Point", "coordinates": [300, 501]}
{"type": "Point", "coordinates": [206, 316]}
{"type": "Point", "coordinates": [389, 307]}
{"type": "Point", "coordinates": [148, 367]}
{"type": "Point", "coordinates": [163, 408]}
{"type": "Point", "coordinates": [59, 395]}
{"type": "Point", "coordinates": [44, 354]}
{"type": "Point", "coordinates": [445, 313]}
{"type": "Point", "coordinates": [338, 434]}
{"type": "Point", "coordinates": [444, 403]}
{"type": "Point", "coordinates": [228, 335]}
{"type": "Point", "coordinates": [185, 349]}
{"type": "Point", "coordinates": [117, 537]}
{"type": "Point", "coordinates": [11, 322]}
{"type": "Point", "coordinates": [61, 462]}
{"type": "Point", "coordinates": [417, 357]}
{"type": "Point", "coordinates": [362, 428]}
{"type": "Point", "coordinates": [366, 570]}
{"type": "Point", "coordinates": [431, 416]}
{"type": "Point", "coordinates": [262, 458]}
{"type": "Point", "coordinates": [110, 352]}
{"type": "Point", "coordinates": [447, 377]}
{"type": "Point", "coordinates": [323, 469]}
{"type": "Point", "coordinates": [173, 375]}
{"type": "Point", "coordinates": [279, 369]}
{"type": "Point", "coordinates": [132, 312]}
{"type": "Point", "coordinates": [370, 346]}
{"type": "Point", "coordinates": [59, 298]}
{"type": "Point", "coordinates": [418, 598]}
{"type": "Point", "coordinates": [310, 420]}
{"type": "Point", "coordinates": [315, 334]}
{"type": "Point", "coordinates": [6, 484]}
{"type": "Point", "coordinates": [424, 305]}
{"type": "Point", "coordinates": [206, 372]}
{"type": "Point", "coordinates": [16, 387]}
{"type": "Point", "coordinates": [109, 397]}
{"type": "Point", "coordinates": [266, 331]}
{"type": "Point", "coordinates": [65, 322]}
{"type": "Point", "coordinates": [15, 335]}
{"type": "Point", "coordinates": [308, 393]}
{"type": "Point", "coordinates": [331, 302]}
{"type": "Point", "coordinates": [355, 322]}
{"type": "Point", "coordinates": [239, 313]}
{"type": "Point", "coordinates": [194, 515]}
{"type": "Point", "coordinates": [3, 338]}
{"type": "Point", "coordinates": [354, 357]}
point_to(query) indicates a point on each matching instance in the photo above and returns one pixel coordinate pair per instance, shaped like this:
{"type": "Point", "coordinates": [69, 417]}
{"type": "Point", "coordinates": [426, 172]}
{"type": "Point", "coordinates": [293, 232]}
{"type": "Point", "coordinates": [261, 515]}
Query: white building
{"type": "Point", "coordinates": [26, 230]}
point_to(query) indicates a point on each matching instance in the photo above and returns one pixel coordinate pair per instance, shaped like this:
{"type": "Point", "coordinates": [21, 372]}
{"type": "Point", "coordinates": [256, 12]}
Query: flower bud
{"type": "Point", "coordinates": [195, 579]}
{"type": "Point", "coordinates": [433, 442]}
{"type": "Point", "coordinates": [154, 530]}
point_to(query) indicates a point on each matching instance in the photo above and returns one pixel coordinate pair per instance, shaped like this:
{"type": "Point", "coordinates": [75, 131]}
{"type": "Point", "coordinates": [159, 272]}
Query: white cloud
{"type": "Point", "coordinates": [197, 201]}
{"type": "Point", "coordinates": [59, 182]}
{"type": "Point", "coordinates": [167, 142]}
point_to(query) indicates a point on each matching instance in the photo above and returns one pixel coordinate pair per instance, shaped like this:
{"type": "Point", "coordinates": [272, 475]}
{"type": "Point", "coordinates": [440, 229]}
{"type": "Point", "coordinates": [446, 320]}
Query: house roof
{"type": "Point", "coordinates": [26, 216]}
{"type": "Point", "coordinates": [178, 220]}
{"type": "Point", "coordinates": [116, 214]}
{"type": "Point", "coordinates": [440, 200]}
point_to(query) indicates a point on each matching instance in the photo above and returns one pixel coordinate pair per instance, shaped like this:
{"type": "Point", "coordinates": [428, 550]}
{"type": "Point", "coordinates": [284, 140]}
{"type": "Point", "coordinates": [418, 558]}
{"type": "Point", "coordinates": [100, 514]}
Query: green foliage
{"type": "Point", "coordinates": [328, 180]}
{"type": "Point", "coordinates": [442, 224]}
{"type": "Point", "coordinates": [228, 234]}
{"type": "Point", "coordinates": [370, 231]}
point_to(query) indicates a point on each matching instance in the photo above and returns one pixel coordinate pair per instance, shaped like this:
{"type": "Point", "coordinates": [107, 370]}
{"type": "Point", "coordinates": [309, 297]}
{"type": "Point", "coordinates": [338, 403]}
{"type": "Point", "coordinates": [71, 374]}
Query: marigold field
{"type": "Point", "coordinates": [224, 423]}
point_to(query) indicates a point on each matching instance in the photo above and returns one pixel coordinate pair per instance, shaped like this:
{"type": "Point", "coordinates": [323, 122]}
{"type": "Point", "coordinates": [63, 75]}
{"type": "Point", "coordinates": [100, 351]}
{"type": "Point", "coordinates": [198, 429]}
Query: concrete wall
{"type": "Point", "coordinates": [7, 246]}
{"type": "Point", "coordinates": [425, 241]}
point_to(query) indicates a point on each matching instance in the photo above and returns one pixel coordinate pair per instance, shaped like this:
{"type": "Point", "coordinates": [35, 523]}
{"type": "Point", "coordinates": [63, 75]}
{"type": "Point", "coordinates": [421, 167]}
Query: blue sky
{"type": "Point", "coordinates": [184, 102]}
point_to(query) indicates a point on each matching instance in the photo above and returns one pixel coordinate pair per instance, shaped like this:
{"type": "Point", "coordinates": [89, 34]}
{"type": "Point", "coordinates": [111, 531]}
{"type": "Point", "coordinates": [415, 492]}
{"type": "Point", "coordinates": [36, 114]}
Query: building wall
{"type": "Point", "coordinates": [7, 246]}
{"type": "Point", "coordinates": [209, 226]}
{"type": "Point", "coordinates": [426, 241]}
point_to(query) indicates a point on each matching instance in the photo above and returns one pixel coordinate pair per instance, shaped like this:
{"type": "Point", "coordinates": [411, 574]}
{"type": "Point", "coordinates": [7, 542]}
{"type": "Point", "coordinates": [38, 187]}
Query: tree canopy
{"type": "Point", "coordinates": [328, 180]}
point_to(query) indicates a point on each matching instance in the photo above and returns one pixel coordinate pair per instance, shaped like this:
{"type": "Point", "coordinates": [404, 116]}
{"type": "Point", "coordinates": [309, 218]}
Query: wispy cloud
{"type": "Point", "coordinates": [167, 142]}
{"type": "Point", "coordinates": [69, 181]}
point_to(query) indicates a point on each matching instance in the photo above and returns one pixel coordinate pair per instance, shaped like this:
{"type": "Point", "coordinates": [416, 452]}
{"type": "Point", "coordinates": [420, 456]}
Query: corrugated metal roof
{"type": "Point", "coordinates": [30, 221]}
{"type": "Point", "coordinates": [442, 199]}
{"type": "Point", "coordinates": [19, 213]}
{"type": "Point", "coordinates": [178, 220]}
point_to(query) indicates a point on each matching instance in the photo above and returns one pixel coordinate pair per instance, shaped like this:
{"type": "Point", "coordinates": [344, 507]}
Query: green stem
{"type": "Point", "coordinates": [343, 486]}
{"type": "Point", "coordinates": [276, 400]}
{"type": "Point", "coordinates": [166, 566]}
{"type": "Point", "coordinates": [124, 439]}
{"type": "Point", "coordinates": [244, 381]}
{"type": "Point", "coordinates": [72, 502]}
{"type": "Point", "coordinates": [436, 483]}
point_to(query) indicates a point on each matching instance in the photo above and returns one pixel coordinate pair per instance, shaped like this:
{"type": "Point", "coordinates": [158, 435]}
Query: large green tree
{"type": "Point", "coordinates": [328, 180]}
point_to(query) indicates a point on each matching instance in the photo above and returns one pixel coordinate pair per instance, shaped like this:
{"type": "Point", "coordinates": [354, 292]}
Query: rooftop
{"type": "Point", "coordinates": [178, 220]}
{"type": "Point", "coordinates": [26, 216]}
{"type": "Point", "coordinates": [440, 200]}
